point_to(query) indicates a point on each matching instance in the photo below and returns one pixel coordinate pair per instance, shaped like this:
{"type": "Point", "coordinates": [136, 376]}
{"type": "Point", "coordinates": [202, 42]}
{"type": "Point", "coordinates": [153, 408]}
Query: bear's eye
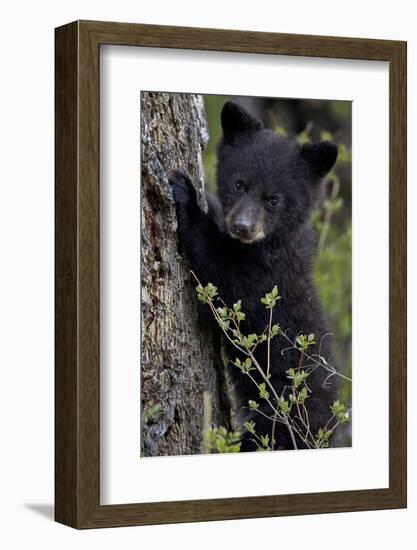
{"type": "Point", "coordinates": [273, 201]}
{"type": "Point", "coordinates": [239, 185]}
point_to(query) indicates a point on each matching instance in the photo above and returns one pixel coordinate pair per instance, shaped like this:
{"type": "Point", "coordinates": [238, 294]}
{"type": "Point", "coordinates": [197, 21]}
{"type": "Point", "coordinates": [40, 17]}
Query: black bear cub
{"type": "Point", "coordinates": [258, 234]}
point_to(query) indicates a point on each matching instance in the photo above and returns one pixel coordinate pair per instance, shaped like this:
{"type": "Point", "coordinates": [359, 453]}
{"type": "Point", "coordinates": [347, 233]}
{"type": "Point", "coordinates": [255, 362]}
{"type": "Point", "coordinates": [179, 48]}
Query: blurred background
{"type": "Point", "coordinates": [310, 121]}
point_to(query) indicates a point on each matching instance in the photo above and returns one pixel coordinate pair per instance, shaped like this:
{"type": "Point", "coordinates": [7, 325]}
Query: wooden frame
{"type": "Point", "coordinates": [77, 404]}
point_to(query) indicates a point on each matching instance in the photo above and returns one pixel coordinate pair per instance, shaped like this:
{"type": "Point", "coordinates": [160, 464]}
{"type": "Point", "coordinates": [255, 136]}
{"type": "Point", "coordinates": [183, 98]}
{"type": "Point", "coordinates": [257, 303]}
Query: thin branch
{"type": "Point", "coordinates": [269, 342]}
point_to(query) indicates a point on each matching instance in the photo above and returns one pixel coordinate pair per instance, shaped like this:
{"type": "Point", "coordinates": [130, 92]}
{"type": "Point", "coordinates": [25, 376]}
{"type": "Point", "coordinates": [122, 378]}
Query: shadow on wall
{"type": "Point", "coordinates": [45, 510]}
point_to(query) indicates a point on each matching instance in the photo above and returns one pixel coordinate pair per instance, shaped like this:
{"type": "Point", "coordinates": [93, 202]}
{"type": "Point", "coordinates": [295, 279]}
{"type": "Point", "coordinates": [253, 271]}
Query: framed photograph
{"type": "Point", "coordinates": [230, 274]}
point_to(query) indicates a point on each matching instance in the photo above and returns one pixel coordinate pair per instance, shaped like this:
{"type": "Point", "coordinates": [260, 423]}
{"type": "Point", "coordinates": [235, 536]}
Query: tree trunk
{"type": "Point", "coordinates": [178, 361]}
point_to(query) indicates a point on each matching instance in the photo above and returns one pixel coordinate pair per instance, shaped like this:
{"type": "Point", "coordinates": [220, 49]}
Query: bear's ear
{"type": "Point", "coordinates": [235, 119]}
{"type": "Point", "coordinates": [321, 156]}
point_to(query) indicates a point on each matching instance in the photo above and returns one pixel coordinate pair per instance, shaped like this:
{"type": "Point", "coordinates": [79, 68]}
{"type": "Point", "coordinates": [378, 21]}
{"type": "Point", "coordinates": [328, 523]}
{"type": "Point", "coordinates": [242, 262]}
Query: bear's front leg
{"type": "Point", "coordinates": [199, 232]}
{"type": "Point", "coordinates": [185, 197]}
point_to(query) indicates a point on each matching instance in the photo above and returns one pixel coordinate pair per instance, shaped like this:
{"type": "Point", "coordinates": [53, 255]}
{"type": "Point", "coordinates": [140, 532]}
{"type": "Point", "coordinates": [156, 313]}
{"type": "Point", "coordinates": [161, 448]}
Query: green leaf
{"type": "Point", "coordinates": [283, 405]}
{"type": "Point", "coordinates": [247, 365]}
{"type": "Point", "coordinates": [250, 340]}
{"type": "Point", "coordinates": [264, 441]}
{"type": "Point", "coordinates": [250, 426]}
{"type": "Point", "coordinates": [322, 438]}
{"type": "Point", "coordinates": [274, 330]}
{"type": "Point", "coordinates": [240, 316]}
{"type": "Point", "coordinates": [325, 136]}
{"type": "Point", "coordinates": [280, 130]}
{"type": "Point", "coordinates": [152, 412]}
{"type": "Point", "coordinates": [339, 410]}
{"type": "Point", "coordinates": [303, 395]}
{"type": "Point", "coordinates": [222, 441]}
{"type": "Point", "coordinates": [304, 341]}
{"type": "Point", "coordinates": [211, 290]}
{"type": "Point", "coordinates": [270, 299]}
{"type": "Point", "coordinates": [263, 392]}
{"type": "Point", "coordinates": [222, 311]}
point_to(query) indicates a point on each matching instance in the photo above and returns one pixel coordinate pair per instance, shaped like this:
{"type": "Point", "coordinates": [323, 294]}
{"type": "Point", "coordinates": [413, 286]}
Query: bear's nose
{"type": "Point", "coordinates": [242, 227]}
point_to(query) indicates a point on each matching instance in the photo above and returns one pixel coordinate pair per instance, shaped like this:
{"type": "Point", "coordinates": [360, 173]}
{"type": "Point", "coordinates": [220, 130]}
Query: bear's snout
{"type": "Point", "coordinates": [243, 226]}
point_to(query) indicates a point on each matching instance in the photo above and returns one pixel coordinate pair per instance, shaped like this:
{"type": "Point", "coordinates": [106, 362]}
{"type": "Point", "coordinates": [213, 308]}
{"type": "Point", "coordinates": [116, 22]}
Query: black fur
{"type": "Point", "coordinates": [269, 184]}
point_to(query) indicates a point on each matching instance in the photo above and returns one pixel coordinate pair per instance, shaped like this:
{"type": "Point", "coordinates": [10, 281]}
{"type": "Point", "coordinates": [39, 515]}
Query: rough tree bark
{"type": "Point", "coordinates": [178, 360]}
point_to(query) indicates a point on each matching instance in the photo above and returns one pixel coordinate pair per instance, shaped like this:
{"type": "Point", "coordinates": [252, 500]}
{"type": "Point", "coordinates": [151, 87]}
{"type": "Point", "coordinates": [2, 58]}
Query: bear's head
{"type": "Point", "coordinates": [267, 184]}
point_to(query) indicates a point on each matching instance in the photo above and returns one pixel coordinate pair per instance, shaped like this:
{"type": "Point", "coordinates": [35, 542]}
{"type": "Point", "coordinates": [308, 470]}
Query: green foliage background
{"type": "Point", "coordinates": [313, 120]}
